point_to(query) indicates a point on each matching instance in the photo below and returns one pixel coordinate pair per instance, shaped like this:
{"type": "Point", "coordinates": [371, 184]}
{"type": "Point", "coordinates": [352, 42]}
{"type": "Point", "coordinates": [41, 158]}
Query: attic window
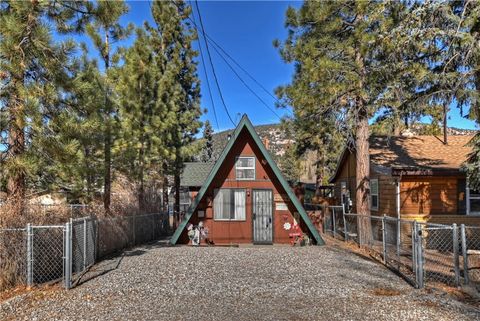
{"type": "Point", "coordinates": [245, 168]}
{"type": "Point", "coordinates": [374, 194]}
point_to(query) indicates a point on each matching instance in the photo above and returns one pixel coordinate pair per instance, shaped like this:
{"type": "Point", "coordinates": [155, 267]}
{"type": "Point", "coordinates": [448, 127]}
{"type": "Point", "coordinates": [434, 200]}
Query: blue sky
{"type": "Point", "coordinates": [246, 29]}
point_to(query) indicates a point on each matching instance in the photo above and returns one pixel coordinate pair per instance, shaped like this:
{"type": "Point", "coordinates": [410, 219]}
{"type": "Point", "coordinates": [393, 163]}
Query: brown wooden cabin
{"type": "Point", "coordinates": [414, 178]}
{"type": "Point", "coordinates": [245, 198]}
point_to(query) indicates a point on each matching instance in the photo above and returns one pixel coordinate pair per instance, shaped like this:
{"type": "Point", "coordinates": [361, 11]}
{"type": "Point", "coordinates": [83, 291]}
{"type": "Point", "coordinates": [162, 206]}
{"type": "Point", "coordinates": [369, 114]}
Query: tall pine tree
{"type": "Point", "coordinates": [105, 31]}
{"type": "Point", "coordinates": [340, 50]}
{"type": "Point", "coordinates": [179, 87]}
{"type": "Point", "coordinates": [34, 78]}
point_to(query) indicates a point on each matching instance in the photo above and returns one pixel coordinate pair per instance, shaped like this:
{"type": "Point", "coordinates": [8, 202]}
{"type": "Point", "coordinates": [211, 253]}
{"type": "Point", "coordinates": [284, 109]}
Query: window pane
{"type": "Point", "coordinates": [245, 174]}
{"type": "Point", "coordinates": [475, 205]}
{"type": "Point", "coordinates": [229, 204]}
{"type": "Point", "coordinates": [239, 210]}
{"type": "Point", "coordinates": [222, 204]}
{"type": "Point", "coordinates": [474, 193]}
{"type": "Point", "coordinates": [374, 187]}
{"type": "Point", "coordinates": [374, 201]}
{"type": "Point", "coordinates": [245, 162]}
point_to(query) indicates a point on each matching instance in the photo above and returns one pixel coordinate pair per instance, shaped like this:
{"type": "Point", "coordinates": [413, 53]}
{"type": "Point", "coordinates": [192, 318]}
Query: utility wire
{"type": "Point", "coordinates": [217, 47]}
{"type": "Point", "coordinates": [206, 75]}
{"type": "Point", "coordinates": [211, 64]}
{"type": "Point", "coordinates": [243, 69]}
{"type": "Point", "coordinates": [245, 84]}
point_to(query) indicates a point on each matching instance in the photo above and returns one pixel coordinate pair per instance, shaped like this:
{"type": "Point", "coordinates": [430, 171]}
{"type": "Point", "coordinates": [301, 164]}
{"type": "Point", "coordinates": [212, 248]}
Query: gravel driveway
{"type": "Point", "coordinates": [250, 283]}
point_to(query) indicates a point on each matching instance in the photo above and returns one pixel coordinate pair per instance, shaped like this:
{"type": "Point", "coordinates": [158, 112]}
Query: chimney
{"type": "Point", "coordinates": [266, 142]}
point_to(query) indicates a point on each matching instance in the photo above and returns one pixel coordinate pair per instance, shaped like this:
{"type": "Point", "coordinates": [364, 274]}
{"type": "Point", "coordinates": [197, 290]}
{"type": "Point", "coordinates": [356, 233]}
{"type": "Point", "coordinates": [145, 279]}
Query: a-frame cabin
{"type": "Point", "coordinates": [245, 198]}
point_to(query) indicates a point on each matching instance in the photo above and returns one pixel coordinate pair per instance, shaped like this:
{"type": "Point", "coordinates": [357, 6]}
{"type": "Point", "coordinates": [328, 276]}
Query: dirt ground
{"type": "Point", "coordinates": [156, 282]}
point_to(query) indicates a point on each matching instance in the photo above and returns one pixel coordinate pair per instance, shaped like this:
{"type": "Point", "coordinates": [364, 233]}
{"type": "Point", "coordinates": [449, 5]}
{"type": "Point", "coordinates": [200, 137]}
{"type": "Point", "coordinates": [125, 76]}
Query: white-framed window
{"type": "Point", "coordinates": [245, 168]}
{"type": "Point", "coordinates": [229, 204]}
{"type": "Point", "coordinates": [473, 201]}
{"type": "Point", "coordinates": [374, 194]}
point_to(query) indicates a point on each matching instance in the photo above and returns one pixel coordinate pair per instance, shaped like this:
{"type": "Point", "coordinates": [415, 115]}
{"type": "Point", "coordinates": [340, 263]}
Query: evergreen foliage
{"type": "Point", "coordinates": [105, 31]}
{"type": "Point", "coordinates": [207, 151]}
{"type": "Point", "coordinates": [35, 78]}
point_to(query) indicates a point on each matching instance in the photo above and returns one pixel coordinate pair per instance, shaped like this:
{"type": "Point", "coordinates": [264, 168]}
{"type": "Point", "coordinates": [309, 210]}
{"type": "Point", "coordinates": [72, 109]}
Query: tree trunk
{"type": "Point", "coordinates": [362, 192]}
{"type": "Point", "coordinates": [88, 176]}
{"type": "Point", "coordinates": [176, 184]}
{"type": "Point", "coordinates": [141, 189]}
{"type": "Point", "coordinates": [108, 135]}
{"type": "Point", "coordinates": [165, 187]}
{"type": "Point", "coordinates": [362, 195]}
{"type": "Point", "coordinates": [445, 112]}
{"type": "Point", "coordinates": [16, 184]}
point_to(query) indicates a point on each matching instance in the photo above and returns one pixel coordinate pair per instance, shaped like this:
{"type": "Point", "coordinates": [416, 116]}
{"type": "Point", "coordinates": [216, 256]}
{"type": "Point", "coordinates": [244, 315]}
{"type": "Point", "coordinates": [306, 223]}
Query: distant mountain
{"type": "Point", "coordinates": [277, 139]}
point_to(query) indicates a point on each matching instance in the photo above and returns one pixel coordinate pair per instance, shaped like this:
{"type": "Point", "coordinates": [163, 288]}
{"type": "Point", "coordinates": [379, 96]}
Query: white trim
{"type": "Point", "coordinates": [374, 208]}
{"type": "Point", "coordinates": [468, 198]}
{"type": "Point", "coordinates": [240, 168]}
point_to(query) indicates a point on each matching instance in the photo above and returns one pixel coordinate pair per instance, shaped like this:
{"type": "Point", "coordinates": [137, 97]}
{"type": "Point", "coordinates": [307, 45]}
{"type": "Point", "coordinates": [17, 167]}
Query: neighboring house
{"type": "Point", "coordinates": [193, 176]}
{"type": "Point", "coordinates": [414, 178]}
{"type": "Point", "coordinates": [245, 198]}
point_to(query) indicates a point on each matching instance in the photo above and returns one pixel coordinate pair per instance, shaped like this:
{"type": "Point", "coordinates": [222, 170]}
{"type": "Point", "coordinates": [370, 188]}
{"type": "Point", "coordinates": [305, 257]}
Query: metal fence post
{"type": "Point", "coordinates": [68, 256]}
{"type": "Point", "coordinates": [384, 239]}
{"type": "Point", "coordinates": [464, 254]}
{"type": "Point", "coordinates": [414, 248]}
{"type": "Point", "coordinates": [399, 231]}
{"type": "Point", "coordinates": [345, 231]}
{"type": "Point", "coordinates": [333, 222]}
{"type": "Point", "coordinates": [85, 243]}
{"type": "Point", "coordinates": [456, 259]}
{"type": "Point", "coordinates": [419, 255]}
{"type": "Point", "coordinates": [29, 255]}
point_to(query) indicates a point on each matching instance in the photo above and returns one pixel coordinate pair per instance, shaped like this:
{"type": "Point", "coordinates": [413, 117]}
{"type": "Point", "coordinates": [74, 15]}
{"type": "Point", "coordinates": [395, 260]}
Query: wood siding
{"type": "Point", "coordinates": [235, 232]}
{"type": "Point", "coordinates": [386, 188]}
{"type": "Point", "coordinates": [428, 195]}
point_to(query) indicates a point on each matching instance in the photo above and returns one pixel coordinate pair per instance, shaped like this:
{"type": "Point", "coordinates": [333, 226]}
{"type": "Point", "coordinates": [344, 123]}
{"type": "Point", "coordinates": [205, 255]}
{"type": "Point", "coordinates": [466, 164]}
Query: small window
{"type": "Point", "coordinates": [229, 204]}
{"type": "Point", "coordinates": [473, 202]}
{"type": "Point", "coordinates": [245, 168]}
{"type": "Point", "coordinates": [374, 194]}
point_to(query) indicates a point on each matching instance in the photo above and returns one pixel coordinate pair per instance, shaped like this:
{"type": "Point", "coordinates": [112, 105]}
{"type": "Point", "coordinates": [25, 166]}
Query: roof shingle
{"type": "Point", "coordinates": [427, 152]}
{"type": "Point", "coordinates": [195, 173]}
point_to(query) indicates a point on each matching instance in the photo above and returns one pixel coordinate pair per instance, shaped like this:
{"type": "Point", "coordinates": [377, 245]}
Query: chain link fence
{"type": "Point", "coordinates": [42, 254]}
{"type": "Point", "coordinates": [13, 246]}
{"type": "Point", "coordinates": [424, 253]}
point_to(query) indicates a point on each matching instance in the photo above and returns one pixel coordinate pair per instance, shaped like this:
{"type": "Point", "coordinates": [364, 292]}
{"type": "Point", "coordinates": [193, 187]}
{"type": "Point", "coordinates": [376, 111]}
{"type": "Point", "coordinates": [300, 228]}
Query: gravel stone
{"type": "Point", "coordinates": [157, 282]}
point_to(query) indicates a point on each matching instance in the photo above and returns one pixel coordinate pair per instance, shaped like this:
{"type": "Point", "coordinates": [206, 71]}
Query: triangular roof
{"type": "Point", "coordinates": [245, 123]}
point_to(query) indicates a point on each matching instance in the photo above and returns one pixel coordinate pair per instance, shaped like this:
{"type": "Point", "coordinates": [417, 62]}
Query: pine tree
{"type": "Point", "coordinates": [179, 87]}
{"type": "Point", "coordinates": [207, 155]}
{"type": "Point", "coordinates": [105, 31]}
{"type": "Point", "coordinates": [340, 51]}
{"type": "Point", "coordinates": [34, 79]}
{"type": "Point", "coordinates": [142, 126]}
{"type": "Point", "coordinates": [81, 123]}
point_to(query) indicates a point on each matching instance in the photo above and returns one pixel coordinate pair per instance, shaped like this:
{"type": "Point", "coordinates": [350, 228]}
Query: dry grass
{"type": "Point", "coordinates": [13, 243]}
{"type": "Point", "coordinates": [385, 292]}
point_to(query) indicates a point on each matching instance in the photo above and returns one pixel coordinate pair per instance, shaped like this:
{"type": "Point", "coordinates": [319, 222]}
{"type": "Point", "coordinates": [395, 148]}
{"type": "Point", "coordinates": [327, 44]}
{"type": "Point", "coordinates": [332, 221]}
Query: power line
{"type": "Point", "coordinates": [211, 64]}
{"type": "Point", "coordinates": [239, 66]}
{"type": "Point", "coordinates": [206, 75]}
{"type": "Point", "coordinates": [245, 84]}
